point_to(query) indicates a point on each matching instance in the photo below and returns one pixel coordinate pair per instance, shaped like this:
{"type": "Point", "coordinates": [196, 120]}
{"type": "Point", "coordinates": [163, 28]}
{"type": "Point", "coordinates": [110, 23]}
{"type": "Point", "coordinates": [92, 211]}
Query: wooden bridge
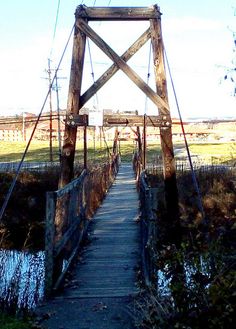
{"type": "Point", "coordinates": [105, 277]}
{"type": "Point", "coordinates": [109, 263]}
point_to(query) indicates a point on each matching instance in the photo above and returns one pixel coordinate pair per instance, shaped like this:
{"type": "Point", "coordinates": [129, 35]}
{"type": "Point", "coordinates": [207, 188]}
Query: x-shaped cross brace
{"type": "Point", "coordinates": [119, 63]}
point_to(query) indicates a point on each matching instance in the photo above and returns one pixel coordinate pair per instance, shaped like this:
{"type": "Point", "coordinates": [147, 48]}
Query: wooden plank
{"type": "Point", "coordinates": [66, 237]}
{"type": "Point", "coordinates": [109, 261]}
{"type": "Point", "coordinates": [117, 13]}
{"type": "Point", "coordinates": [84, 27]}
{"type": "Point", "coordinates": [135, 120]}
{"type": "Point", "coordinates": [130, 120]}
{"type": "Point", "coordinates": [70, 186]}
{"type": "Point", "coordinates": [106, 76]}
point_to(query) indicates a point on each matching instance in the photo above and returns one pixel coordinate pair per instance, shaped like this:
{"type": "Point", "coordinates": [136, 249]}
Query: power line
{"type": "Point", "coordinates": [11, 188]}
{"type": "Point", "coordinates": [55, 28]}
{"type": "Point", "coordinates": [194, 179]}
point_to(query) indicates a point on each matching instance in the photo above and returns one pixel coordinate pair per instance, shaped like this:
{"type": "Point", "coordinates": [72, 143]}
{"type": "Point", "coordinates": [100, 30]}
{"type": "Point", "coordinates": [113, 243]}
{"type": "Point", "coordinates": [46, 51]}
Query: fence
{"type": "Point", "coordinates": [148, 205]}
{"type": "Point", "coordinates": [29, 166]}
{"type": "Point", "coordinates": [68, 213]}
{"type": "Point", "coordinates": [137, 164]}
{"type": "Point", "coordinates": [148, 218]}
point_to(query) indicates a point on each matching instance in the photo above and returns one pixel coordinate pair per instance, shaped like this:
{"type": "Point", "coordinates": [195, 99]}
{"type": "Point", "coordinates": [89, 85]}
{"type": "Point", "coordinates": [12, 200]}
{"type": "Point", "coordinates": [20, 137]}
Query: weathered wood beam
{"type": "Point", "coordinates": [171, 192]}
{"type": "Point", "coordinates": [68, 150]}
{"type": "Point", "coordinates": [108, 74]}
{"type": "Point", "coordinates": [161, 86]}
{"type": "Point", "coordinates": [84, 27]}
{"type": "Point", "coordinates": [124, 120]}
{"type": "Point", "coordinates": [135, 121]}
{"type": "Point", "coordinates": [117, 13]}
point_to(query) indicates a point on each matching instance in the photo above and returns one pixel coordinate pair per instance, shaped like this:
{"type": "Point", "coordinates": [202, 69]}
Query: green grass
{"type": "Point", "coordinates": [223, 152]}
{"type": "Point", "coordinates": [39, 151]}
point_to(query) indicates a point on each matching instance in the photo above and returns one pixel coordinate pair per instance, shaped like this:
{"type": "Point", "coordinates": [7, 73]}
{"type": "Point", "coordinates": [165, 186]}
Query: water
{"type": "Point", "coordinates": [22, 278]}
{"type": "Point", "coordinates": [196, 267]}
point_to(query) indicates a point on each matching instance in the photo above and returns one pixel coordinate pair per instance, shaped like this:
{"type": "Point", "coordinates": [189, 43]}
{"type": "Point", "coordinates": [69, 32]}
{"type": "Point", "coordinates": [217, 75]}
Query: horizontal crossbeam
{"type": "Point", "coordinates": [122, 120]}
{"type": "Point", "coordinates": [117, 13]}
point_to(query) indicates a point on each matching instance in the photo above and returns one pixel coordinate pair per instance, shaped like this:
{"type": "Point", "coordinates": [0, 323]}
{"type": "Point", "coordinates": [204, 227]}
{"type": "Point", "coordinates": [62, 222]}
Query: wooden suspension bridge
{"type": "Point", "coordinates": [105, 276]}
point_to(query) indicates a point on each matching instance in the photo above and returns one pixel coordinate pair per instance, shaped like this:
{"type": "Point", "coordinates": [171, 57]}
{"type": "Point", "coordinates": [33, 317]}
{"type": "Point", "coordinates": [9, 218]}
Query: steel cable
{"type": "Point", "coordinates": [11, 188]}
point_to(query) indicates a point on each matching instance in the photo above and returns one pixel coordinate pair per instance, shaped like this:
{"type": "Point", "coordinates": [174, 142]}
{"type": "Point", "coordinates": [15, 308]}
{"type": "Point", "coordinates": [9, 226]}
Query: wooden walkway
{"type": "Point", "coordinates": [105, 278]}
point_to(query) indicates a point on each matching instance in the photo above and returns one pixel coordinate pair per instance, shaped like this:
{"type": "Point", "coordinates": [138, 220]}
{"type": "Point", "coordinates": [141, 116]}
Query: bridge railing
{"type": "Point", "coordinates": [148, 220]}
{"type": "Point", "coordinates": [75, 203]}
{"type": "Point", "coordinates": [137, 164]}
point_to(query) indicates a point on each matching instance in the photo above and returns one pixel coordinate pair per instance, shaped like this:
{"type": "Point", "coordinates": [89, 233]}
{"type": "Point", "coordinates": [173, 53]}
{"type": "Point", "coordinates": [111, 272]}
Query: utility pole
{"type": "Point", "coordinates": [54, 88]}
{"type": "Point", "coordinates": [23, 126]}
{"type": "Point", "coordinates": [58, 113]}
{"type": "Point", "coordinates": [50, 108]}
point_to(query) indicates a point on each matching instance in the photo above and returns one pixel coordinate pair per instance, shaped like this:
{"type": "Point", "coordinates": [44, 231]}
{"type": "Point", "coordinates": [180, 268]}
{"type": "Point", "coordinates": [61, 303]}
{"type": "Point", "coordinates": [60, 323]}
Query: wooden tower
{"type": "Point", "coordinates": [76, 100]}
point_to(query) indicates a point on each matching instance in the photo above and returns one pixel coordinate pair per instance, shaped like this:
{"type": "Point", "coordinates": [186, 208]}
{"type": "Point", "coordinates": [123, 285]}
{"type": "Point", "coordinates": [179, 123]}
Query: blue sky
{"type": "Point", "coordinates": [197, 39]}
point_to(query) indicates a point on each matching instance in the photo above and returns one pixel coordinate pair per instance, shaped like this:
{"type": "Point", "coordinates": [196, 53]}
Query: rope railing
{"type": "Point", "coordinates": [75, 203]}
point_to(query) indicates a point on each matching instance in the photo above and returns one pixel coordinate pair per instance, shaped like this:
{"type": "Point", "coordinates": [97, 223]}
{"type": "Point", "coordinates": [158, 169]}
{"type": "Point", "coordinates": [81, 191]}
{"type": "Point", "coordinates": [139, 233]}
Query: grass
{"type": "Point", "coordinates": [39, 151]}
{"type": "Point", "coordinates": [224, 152]}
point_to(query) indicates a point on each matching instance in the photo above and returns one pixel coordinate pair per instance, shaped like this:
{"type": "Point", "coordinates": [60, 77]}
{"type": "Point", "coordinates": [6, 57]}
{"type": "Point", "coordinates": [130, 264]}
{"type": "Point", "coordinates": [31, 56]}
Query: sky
{"type": "Point", "coordinates": [198, 38]}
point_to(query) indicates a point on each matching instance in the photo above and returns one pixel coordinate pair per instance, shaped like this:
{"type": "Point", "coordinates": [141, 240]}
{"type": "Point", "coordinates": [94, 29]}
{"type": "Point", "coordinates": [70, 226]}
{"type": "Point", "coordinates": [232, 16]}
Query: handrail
{"type": "Point", "coordinates": [148, 205]}
{"type": "Point", "coordinates": [75, 203]}
{"type": "Point", "coordinates": [137, 164]}
{"type": "Point", "coordinates": [74, 183]}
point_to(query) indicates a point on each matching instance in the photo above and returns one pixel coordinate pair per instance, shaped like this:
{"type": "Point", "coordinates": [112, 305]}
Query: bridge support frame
{"type": "Point", "coordinates": [76, 100]}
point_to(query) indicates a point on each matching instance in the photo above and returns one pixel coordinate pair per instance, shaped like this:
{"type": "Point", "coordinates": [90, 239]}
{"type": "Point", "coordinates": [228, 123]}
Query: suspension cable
{"type": "Point", "coordinates": [145, 111]}
{"type": "Point", "coordinates": [194, 179]}
{"type": "Point", "coordinates": [148, 75]}
{"type": "Point", "coordinates": [55, 28]}
{"type": "Point", "coordinates": [96, 95]}
{"type": "Point", "coordinates": [11, 188]}
{"type": "Point", "coordinates": [105, 141]}
{"type": "Point", "coordinates": [92, 70]}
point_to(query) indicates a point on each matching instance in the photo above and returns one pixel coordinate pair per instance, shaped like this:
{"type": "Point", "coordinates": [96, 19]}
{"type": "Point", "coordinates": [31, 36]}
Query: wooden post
{"type": "Point", "coordinates": [171, 193]}
{"type": "Point", "coordinates": [49, 242]}
{"type": "Point", "coordinates": [69, 144]}
{"type": "Point", "coordinates": [144, 141]}
{"type": "Point", "coordinates": [85, 147]}
{"type": "Point", "coordinates": [68, 149]}
{"type": "Point", "coordinates": [139, 141]}
{"type": "Point", "coordinates": [115, 143]}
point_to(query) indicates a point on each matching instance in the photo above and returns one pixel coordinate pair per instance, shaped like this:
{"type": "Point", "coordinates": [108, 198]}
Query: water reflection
{"type": "Point", "coordinates": [197, 271]}
{"type": "Point", "coordinates": [21, 278]}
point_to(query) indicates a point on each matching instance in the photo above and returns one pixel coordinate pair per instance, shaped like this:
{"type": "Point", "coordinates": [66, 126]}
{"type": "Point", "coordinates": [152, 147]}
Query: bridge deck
{"type": "Point", "coordinates": [105, 277]}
